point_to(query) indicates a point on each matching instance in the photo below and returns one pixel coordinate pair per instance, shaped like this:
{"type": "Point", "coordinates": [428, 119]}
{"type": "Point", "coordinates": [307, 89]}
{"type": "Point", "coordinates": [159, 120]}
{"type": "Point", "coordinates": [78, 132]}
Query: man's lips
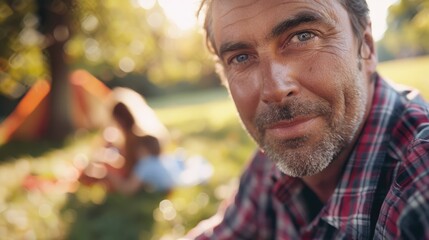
{"type": "Point", "coordinates": [289, 129]}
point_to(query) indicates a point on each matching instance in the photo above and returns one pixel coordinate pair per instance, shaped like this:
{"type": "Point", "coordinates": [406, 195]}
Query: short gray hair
{"type": "Point", "coordinates": [357, 10]}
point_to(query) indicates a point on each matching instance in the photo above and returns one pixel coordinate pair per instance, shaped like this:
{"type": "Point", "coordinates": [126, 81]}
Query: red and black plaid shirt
{"type": "Point", "coordinates": [383, 192]}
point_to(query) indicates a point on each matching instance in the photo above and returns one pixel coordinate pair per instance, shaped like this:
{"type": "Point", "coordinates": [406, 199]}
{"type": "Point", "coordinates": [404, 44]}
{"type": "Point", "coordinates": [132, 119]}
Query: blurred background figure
{"type": "Point", "coordinates": [131, 120]}
{"type": "Point", "coordinates": [133, 154]}
{"type": "Point", "coordinates": [150, 170]}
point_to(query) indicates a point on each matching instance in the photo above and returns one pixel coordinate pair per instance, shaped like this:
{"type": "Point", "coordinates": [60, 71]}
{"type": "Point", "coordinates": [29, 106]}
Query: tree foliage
{"type": "Point", "coordinates": [109, 38]}
{"type": "Point", "coordinates": [20, 48]}
{"type": "Point", "coordinates": [408, 29]}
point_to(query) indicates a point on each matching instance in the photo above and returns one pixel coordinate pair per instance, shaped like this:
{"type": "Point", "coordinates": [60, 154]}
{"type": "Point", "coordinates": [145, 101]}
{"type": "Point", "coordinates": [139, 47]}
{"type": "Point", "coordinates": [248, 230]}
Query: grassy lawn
{"type": "Point", "coordinates": [412, 72]}
{"type": "Point", "coordinates": [203, 123]}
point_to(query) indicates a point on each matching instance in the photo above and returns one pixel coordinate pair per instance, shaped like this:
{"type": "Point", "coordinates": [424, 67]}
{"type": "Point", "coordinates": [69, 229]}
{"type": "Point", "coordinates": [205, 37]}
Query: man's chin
{"type": "Point", "coordinates": [297, 159]}
{"type": "Point", "coordinates": [300, 168]}
{"type": "Point", "coordinates": [281, 146]}
{"type": "Point", "coordinates": [302, 172]}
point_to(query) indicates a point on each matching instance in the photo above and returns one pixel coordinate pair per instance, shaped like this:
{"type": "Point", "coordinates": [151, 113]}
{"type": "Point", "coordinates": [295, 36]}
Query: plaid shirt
{"type": "Point", "coordinates": [383, 192]}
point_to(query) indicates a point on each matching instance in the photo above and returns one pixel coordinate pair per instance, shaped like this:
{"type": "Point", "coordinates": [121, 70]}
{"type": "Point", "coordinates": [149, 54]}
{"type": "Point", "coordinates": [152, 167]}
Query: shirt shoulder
{"type": "Point", "coordinates": [405, 211]}
{"type": "Point", "coordinates": [409, 122]}
{"type": "Point", "coordinates": [411, 143]}
{"type": "Point", "coordinates": [247, 215]}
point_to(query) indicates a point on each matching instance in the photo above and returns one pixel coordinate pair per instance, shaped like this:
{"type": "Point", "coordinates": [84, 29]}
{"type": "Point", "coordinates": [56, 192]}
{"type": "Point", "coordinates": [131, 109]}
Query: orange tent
{"type": "Point", "coordinates": [29, 119]}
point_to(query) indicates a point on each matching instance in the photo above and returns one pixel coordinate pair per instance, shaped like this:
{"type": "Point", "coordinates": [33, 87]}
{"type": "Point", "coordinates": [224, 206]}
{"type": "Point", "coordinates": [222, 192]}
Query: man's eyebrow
{"type": "Point", "coordinates": [231, 46]}
{"type": "Point", "coordinates": [303, 17]}
{"type": "Point", "coordinates": [277, 30]}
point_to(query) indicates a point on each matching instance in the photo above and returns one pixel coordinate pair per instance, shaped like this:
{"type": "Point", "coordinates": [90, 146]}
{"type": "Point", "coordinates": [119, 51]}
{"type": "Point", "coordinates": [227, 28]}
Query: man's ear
{"type": "Point", "coordinates": [367, 51]}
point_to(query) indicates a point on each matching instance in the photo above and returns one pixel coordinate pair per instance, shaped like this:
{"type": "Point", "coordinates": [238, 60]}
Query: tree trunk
{"type": "Point", "coordinates": [55, 25]}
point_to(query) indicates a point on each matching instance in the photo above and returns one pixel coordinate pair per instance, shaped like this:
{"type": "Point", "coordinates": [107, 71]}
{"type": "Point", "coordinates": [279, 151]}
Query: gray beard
{"type": "Point", "coordinates": [296, 157]}
{"type": "Point", "coordinates": [300, 160]}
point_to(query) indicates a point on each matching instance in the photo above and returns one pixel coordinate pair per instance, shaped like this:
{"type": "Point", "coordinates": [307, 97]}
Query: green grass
{"type": "Point", "coordinates": [412, 72]}
{"type": "Point", "coordinates": [203, 123]}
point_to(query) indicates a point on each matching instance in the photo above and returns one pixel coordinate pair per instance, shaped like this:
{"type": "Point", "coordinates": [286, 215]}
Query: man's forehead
{"type": "Point", "coordinates": [226, 9]}
{"type": "Point", "coordinates": [245, 20]}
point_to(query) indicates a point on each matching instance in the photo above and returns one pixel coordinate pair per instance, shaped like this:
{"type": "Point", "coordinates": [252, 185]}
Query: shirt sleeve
{"type": "Point", "coordinates": [413, 222]}
{"type": "Point", "coordinates": [243, 216]}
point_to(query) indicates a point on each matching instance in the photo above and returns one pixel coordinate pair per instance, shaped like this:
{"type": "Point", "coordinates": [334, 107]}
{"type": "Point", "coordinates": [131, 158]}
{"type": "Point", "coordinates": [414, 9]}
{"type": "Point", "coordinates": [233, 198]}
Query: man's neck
{"type": "Point", "coordinates": [324, 183]}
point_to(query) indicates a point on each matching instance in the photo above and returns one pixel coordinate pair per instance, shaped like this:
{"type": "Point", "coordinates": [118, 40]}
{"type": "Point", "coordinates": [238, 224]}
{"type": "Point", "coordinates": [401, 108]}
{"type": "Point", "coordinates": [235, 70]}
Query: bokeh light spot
{"type": "Point", "coordinates": [90, 23]}
{"type": "Point", "coordinates": [146, 4]}
{"type": "Point", "coordinates": [127, 64]}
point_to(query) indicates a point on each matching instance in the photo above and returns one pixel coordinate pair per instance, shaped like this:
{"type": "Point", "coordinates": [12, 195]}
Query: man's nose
{"type": "Point", "coordinates": [278, 83]}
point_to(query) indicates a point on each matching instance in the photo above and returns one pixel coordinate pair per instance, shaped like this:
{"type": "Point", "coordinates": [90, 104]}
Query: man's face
{"type": "Point", "coordinates": [292, 71]}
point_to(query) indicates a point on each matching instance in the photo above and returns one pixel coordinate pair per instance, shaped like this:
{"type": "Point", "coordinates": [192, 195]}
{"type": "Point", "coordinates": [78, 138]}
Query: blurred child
{"type": "Point", "coordinates": [151, 171]}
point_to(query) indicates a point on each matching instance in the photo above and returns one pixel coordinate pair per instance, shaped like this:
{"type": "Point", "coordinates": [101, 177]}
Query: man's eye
{"type": "Point", "coordinates": [303, 36]}
{"type": "Point", "coordinates": [240, 58]}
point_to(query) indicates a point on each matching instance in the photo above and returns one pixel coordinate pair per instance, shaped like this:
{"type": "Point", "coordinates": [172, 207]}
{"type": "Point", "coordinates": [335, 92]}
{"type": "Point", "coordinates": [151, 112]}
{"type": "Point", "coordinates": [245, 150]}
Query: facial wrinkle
{"type": "Point", "coordinates": [333, 42]}
{"type": "Point", "coordinates": [330, 11]}
{"type": "Point", "coordinates": [239, 7]}
{"type": "Point", "coordinates": [258, 13]}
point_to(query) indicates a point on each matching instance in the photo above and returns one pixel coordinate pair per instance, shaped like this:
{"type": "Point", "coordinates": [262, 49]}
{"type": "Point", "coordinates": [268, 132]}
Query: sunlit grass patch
{"type": "Point", "coordinates": [34, 189]}
{"type": "Point", "coordinates": [413, 72]}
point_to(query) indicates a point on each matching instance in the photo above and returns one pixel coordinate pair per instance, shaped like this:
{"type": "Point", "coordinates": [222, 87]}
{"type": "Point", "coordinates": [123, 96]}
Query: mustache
{"type": "Point", "coordinates": [288, 111]}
